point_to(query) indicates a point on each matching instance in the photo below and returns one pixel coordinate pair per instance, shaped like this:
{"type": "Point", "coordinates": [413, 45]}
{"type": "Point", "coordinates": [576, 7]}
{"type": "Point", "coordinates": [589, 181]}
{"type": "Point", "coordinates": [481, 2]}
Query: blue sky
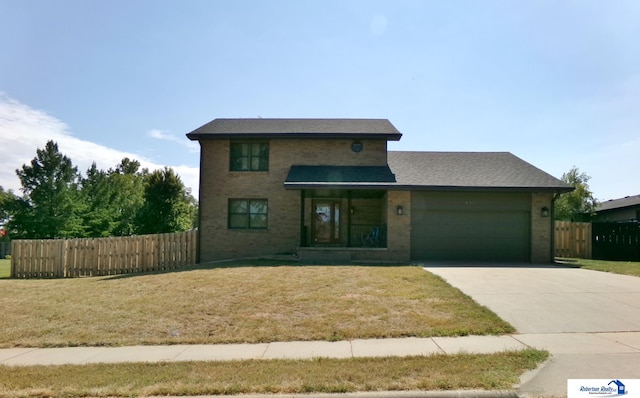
{"type": "Point", "coordinates": [557, 83]}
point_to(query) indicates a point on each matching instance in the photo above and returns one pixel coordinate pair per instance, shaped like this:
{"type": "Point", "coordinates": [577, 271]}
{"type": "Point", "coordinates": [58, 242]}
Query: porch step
{"type": "Point", "coordinates": [324, 255]}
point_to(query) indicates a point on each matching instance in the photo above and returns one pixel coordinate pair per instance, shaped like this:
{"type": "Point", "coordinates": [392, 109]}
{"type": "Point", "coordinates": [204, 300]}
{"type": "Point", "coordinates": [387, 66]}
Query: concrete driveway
{"type": "Point", "coordinates": [588, 320]}
{"type": "Point", "coordinates": [552, 299]}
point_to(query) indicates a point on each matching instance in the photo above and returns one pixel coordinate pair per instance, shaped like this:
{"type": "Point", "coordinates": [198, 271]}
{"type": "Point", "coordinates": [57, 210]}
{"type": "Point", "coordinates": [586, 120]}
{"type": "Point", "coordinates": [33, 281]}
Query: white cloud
{"type": "Point", "coordinates": [164, 136]}
{"type": "Point", "coordinates": [24, 129]}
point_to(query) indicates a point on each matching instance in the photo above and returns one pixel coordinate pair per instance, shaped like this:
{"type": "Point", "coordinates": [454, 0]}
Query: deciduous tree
{"type": "Point", "coordinates": [168, 205]}
{"type": "Point", "coordinates": [8, 201]}
{"type": "Point", "coordinates": [578, 205]}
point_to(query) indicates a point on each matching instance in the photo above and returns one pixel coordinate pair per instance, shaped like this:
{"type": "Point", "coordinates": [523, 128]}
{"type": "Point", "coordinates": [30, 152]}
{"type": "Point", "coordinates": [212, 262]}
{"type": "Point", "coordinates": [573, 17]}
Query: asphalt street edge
{"type": "Point", "coordinates": [382, 394]}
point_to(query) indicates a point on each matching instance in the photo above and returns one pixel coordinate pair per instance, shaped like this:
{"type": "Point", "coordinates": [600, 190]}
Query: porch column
{"type": "Point", "coordinates": [348, 218]}
{"type": "Point", "coordinates": [303, 234]}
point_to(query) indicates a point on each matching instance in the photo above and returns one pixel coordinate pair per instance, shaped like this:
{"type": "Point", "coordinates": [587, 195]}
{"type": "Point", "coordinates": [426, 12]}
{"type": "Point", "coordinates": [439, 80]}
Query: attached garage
{"type": "Point", "coordinates": [470, 226]}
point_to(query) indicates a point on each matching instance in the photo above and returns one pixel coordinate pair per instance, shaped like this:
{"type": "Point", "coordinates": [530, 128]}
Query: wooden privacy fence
{"type": "Point", "coordinates": [573, 239]}
{"type": "Point", "coordinates": [68, 258]}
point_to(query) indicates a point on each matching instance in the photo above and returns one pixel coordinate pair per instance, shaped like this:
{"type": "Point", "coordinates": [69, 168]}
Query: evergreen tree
{"type": "Point", "coordinates": [100, 218]}
{"type": "Point", "coordinates": [127, 181]}
{"type": "Point", "coordinates": [51, 203]}
{"type": "Point", "coordinates": [113, 199]}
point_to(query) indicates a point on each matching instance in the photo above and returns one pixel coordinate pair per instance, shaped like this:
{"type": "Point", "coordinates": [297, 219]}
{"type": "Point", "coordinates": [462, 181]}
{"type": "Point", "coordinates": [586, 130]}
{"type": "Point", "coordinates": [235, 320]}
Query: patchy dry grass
{"type": "Point", "coordinates": [239, 304]}
{"type": "Point", "coordinates": [617, 267]}
{"type": "Point", "coordinates": [439, 372]}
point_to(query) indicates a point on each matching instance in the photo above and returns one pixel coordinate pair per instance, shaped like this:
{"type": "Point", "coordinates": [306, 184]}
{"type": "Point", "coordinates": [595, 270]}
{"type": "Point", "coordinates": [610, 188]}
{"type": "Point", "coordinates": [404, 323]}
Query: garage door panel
{"type": "Point", "coordinates": [478, 234]}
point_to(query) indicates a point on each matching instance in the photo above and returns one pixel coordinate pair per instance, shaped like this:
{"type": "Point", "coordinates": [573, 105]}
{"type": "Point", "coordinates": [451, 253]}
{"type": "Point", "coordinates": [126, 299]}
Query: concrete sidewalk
{"type": "Point", "coordinates": [556, 343]}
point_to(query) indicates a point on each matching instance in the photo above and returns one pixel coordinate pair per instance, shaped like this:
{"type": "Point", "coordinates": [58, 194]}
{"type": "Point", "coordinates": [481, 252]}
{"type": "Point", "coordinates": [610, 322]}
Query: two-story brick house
{"type": "Point", "coordinates": [329, 188]}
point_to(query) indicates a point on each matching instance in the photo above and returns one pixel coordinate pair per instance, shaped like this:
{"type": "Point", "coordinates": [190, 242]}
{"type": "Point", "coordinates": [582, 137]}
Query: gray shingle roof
{"type": "Point", "coordinates": [627, 201]}
{"type": "Point", "coordinates": [352, 176]}
{"type": "Point", "coordinates": [469, 170]}
{"type": "Point", "coordinates": [432, 170]}
{"type": "Point", "coordinates": [299, 128]}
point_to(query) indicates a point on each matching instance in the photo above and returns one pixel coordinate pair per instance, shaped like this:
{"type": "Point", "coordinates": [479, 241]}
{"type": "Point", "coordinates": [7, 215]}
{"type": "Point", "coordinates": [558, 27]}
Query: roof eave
{"type": "Point", "coordinates": [346, 185]}
{"type": "Point", "coordinates": [194, 136]}
{"type": "Point", "coordinates": [626, 207]}
{"type": "Point", "coordinates": [401, 187]}
{"type": "Point", "coordinates": [485, 188]}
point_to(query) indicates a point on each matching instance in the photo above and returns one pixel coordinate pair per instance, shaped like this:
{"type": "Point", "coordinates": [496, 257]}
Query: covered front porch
{"type": "Point", "coordinates": [343, 218]}
{"type": "Point", "coordinates": [348, 213]}
{"type": "Point", "coordinates": [341, 226]}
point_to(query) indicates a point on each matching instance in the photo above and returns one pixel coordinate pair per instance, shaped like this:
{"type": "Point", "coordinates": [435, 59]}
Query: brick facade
{"type": "Point", "coordinates": [541, 245]}
{"type": "Point", "coordinates": [359, 210]}
{"type": "Point", "coordinates": [218, 185]}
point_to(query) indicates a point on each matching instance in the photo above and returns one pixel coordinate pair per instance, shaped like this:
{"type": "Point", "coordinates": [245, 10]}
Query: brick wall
{"type": "Point", "coordinates": [541, 228]}
{"type": "Point", "coordinates": [399, 226]}
{"type": "Point", "coordinates": [218, 184]}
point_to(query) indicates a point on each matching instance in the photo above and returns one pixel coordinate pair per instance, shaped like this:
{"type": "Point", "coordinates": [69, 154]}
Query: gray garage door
{"type": "Point", "coordinates": [459, 226]}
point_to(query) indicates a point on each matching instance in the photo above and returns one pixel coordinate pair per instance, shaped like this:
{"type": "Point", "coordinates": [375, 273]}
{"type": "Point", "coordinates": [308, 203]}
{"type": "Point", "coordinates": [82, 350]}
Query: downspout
{"type": "Point", "coordinates": [552, 221]}
{"type": "Point", "coordinates": [199, 226]}
{"type": "Point", "coordinates": [349, 218]}
{"type": "Point", "coordinates": [303, 232]}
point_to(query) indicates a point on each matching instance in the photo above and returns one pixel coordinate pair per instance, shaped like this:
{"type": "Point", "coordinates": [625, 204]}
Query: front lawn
{"type": "Point", "coordinates": [616, 267]}
{"type": "Point", "coordinates": [439, 372]}
{"type": "Point", "coordinates": [274, 302]}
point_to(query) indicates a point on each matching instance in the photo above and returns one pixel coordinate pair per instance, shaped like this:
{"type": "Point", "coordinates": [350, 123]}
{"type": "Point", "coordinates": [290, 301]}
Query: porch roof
{"type": "Point", "coordinates": [339, 177]}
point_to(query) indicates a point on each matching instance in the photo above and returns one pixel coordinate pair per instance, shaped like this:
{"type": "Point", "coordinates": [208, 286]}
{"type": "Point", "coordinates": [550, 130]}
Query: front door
{"type": "Point", "coordinates": [326, 221]}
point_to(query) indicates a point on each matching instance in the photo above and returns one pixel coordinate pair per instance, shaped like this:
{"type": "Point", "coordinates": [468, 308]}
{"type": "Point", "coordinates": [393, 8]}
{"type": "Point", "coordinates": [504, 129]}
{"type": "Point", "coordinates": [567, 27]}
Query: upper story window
{"type": "Point", "coordinates": [249, 156]}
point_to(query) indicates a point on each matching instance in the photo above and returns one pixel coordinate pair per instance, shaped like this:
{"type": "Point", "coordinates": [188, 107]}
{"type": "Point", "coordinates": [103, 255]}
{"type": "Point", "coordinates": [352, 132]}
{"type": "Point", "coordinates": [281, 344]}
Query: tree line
{"type": "Point", "coordinates": [57, 201]}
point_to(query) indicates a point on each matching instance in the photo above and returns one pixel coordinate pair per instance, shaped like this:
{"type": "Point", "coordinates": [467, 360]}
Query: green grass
{"type": "Point", "coordinates": [439, 372]}
{"type": "Point", "coordinates": [5, 268]}
{"type": "Point", "coordinates": [616, 267]}
{"type": "Point", "coordinates": [239, 303]}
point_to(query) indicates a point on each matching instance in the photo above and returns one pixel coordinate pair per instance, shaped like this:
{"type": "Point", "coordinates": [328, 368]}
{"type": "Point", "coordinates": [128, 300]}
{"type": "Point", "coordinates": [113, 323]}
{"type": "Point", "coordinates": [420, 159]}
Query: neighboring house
{"type": "Point", "coordinates": [329, 189]}
{"type": "Point", "coordinates": [624, 209]}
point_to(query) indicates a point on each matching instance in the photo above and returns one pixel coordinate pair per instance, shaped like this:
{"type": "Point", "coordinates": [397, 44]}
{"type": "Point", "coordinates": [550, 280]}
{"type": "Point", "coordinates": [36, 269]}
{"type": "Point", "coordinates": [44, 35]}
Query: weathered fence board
{"type": "Point", "coordinates": [616, 241]}
{"type": "Point", "coordinates": [71, 258]}
{"type": "Point", "coordinates": [573, 239]}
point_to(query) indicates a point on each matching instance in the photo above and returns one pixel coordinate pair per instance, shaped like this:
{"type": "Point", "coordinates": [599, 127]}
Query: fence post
{"type": "Point", "coordinates": [14, 258]}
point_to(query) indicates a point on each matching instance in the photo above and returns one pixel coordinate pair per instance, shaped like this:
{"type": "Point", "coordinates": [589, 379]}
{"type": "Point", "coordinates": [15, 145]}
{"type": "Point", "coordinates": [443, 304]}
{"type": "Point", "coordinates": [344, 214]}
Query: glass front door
{"type": "Point", "coordinates": [326, 221]}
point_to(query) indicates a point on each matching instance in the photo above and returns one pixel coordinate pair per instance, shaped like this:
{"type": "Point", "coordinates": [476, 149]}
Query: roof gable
{"type": "Point", "coordinates": [296, 128]}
